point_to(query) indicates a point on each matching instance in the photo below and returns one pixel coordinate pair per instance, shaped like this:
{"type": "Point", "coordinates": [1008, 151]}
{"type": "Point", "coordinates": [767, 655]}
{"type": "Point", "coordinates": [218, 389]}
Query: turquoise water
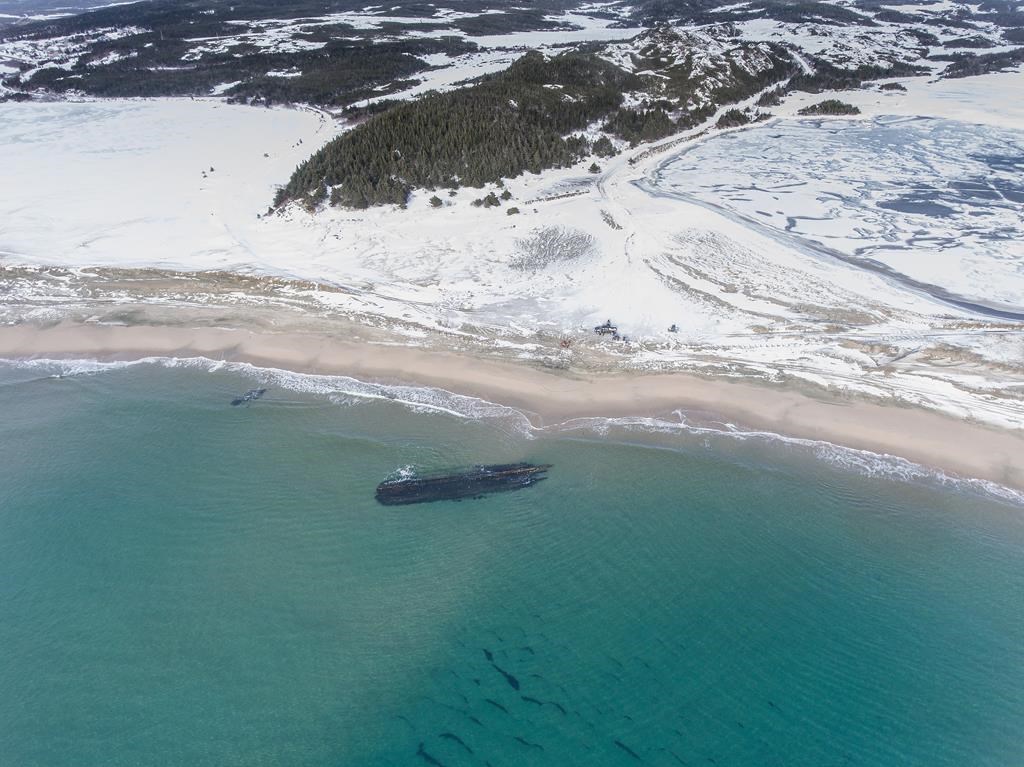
{"type": "Point", "coordinates": [183, 582]}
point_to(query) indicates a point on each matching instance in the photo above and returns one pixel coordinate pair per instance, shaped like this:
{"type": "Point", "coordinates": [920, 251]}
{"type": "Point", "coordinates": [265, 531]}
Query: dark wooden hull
{"type": "Point", "coordinates": [473, 482]}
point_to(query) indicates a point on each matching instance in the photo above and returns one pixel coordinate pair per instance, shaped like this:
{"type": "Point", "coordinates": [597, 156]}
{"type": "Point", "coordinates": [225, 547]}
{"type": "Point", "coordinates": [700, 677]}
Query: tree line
{"type": "Point", "coordinates": [522, 119]}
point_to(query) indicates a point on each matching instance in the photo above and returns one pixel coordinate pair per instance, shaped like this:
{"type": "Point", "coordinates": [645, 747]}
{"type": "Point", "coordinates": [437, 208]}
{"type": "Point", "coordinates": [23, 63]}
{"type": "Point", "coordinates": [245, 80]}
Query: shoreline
{"type": "Point", "coordinates": [547, 397]}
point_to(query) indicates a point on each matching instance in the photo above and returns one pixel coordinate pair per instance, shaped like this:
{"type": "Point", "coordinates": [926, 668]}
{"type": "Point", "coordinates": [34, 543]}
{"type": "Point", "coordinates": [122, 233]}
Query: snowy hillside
{"type": "Point", "coordinates": [703, 67]}
{"type": "Point", "coordinates": [335, 53]}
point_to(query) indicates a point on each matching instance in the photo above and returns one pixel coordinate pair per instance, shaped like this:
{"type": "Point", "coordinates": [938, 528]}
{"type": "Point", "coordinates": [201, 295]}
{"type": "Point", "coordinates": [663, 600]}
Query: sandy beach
{"type": "Point", "coordinates": [554, 396]}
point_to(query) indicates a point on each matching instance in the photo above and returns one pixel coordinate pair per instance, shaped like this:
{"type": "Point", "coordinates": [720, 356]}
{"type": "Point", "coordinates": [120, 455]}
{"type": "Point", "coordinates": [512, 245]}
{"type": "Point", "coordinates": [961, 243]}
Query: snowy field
{"type": "Point", "coordinates": [157, 182]}
{"type": "Point", "coordinates": [938, 201]}
{"type": "Point", "coordinates": [128, 185]}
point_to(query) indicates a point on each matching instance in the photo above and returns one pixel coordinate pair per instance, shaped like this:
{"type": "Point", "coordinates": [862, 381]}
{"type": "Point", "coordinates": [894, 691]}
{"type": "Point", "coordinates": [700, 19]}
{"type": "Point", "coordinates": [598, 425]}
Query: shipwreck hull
{"type": "Point", "coordinates": [473, 482]}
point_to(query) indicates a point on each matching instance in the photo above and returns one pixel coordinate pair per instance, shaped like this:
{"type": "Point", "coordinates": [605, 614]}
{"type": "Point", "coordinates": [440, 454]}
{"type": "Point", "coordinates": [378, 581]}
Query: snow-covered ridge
{"type": "Point", "coordinates": [310, 45]}
{"type": "Point", "coordinates": [925, 35]}
{"type": "Point", "coordinates": [64, 51]}
{"type": "Point", "coordinates": [846, 47]}
{"type": "Point", "coordinates": [698, 62]}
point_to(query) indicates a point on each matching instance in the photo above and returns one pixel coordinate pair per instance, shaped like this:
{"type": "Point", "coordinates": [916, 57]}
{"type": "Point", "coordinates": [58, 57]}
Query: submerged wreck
{"type": "Point", "coordinates": [473, 482]}
{"type": "Point", "coordinates": [250, 396]}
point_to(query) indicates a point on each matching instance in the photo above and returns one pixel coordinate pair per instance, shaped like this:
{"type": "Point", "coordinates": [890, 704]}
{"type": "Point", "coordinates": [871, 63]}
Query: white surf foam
{"type": "Point", "coordinates": [347, 391]}
{"type": "Point", "coordinates": [863, 462]}
{"type": "Point", "coordinates": [338, 389]}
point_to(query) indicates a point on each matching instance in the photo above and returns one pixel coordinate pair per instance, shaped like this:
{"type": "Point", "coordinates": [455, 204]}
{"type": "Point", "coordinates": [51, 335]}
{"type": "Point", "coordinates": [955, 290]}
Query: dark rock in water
{"type": "Point", "coordinates": [496, 705]}
{"type": "Point", "coordinates": [249, 396]}
{"type": "Point", "coordinates": [427, 757]}
{"type": "Point", "coordinates": [453, 737]}
{"type": "Point", "coordinates": [628, 750]}
{"type": "Point", "coordinates": [537, 702]}
{"type": "Point", "coordinates": [528, 744]}
{"type": "Point", "coordinates": [513, 682]}
{"type": "Point", "coordinates": [473, 482]}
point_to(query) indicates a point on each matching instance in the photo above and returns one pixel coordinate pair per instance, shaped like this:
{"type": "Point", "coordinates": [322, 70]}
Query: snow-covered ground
{"type": "Point", "coordinates": [499, 51]}
{"type": "Point", "coordinates": [129, 184]}
{"type": "Point", "coordinates": [925, 31]}
{"type": "Point", "coordinates": [847, 46]}
{"type": "Point", "coordinates": [145, 182]}
{"type": "Point", "coordinates": [589, 23]}
{"type": "Point", "coordinates": [936, 200]}
{"type": "Point", "coordinates": [987, 100]}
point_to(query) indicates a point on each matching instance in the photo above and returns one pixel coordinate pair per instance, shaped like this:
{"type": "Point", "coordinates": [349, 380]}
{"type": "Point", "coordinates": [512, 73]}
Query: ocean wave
{"type": "Point", "coordinates": [347, 391]}
{"type": "Point", "coordinates": [855, 460]}
{"type": "Point", "coordinates": [338, 389]}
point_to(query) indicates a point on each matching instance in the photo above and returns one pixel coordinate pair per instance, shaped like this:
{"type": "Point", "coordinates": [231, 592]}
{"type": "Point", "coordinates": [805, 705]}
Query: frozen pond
{"type": "Point", "coordinates": [938, 203]}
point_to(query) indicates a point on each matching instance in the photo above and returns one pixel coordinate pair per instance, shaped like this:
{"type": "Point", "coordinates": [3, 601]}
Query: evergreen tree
{"type": "Point", "coordinates": [508, 123]}
{"type": "Point", "coordinates": [603, 147]}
